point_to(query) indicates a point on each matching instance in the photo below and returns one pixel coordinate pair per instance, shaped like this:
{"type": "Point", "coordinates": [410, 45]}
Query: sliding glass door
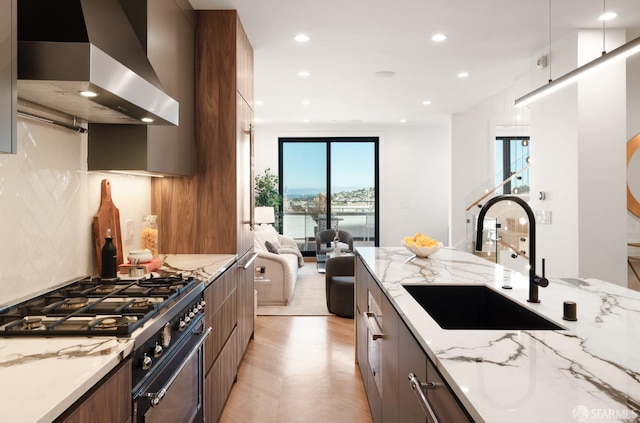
{"type": "Point", "coordinates": [329, 183]}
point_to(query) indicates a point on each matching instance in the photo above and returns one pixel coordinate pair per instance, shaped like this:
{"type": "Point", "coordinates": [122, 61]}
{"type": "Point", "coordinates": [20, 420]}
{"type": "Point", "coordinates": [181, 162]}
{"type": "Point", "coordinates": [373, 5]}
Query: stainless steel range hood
{"type": "Point", "coordinates": [66, 47]}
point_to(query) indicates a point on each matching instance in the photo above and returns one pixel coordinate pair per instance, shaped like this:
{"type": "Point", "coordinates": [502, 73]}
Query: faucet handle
{"type": "Point", "coordinates": [541, 280]}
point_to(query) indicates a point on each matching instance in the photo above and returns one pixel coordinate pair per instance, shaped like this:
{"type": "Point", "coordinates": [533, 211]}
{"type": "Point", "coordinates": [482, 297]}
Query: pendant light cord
{"type": "Point", "coordinates": [604, 10]}
{"type": "Point", "coordinates": [549, 61]}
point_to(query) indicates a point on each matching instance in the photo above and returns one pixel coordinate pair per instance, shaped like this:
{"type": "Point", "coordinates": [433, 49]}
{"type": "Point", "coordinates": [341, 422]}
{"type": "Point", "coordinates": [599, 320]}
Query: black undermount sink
{"type": "Point", "coordinates": [476, 307]}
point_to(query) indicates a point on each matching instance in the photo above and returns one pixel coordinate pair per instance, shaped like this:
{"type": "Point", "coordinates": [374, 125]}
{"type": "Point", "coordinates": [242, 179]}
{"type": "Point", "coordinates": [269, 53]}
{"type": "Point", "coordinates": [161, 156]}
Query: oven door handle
{"type": "Point", "coordinates": [156, 397]}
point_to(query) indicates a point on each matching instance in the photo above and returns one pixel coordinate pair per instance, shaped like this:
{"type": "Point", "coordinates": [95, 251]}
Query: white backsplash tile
{"type": "Point", "coordinates": [47, 204]}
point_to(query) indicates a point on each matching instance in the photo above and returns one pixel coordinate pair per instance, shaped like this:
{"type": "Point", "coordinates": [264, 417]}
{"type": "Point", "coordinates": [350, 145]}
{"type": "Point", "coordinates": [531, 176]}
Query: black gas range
{"type": "Point", "coordinates": [164, 315]}
{"type": "Point", "coordinates": [96, 307]}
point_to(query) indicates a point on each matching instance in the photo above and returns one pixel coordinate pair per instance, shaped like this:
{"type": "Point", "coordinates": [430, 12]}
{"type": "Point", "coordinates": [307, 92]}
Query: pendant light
{"type": "Point", "coordinates": [622, 52]}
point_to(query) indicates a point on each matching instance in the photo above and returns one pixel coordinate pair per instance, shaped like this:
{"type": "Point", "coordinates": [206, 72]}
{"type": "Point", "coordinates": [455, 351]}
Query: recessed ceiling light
{"type": "Point", "coordinates": [384, 74]}
{"type": "Point", "coordinates": [607, 16]}
{"type": "Point", "coordinates": [306, 120]}
{"type": "Point", "coordinates": [304, 74]}
{"type": "Point", "coordinates": [306, 102]}
{"type": "Point", "coordinates": [88, 94]}
{"type": "Point", "coordinates": [438, 38]}
{"type": "Point", "coordinates": [301, 38]}
{"type": "Point", "coordinates": [403, 121]}
{"type": "Point", "coordinates": [426, 102]}
{"type": "Point", "coordinates": [259, 102]}
{"type": "Point", "coordinates": [146, 120]}
{"type": "Point", "coordinates": [463, 75]}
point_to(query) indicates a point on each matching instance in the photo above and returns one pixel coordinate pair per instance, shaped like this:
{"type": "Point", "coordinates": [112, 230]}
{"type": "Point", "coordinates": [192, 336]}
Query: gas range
{"type": "Point", "coordinates": [97, 307]}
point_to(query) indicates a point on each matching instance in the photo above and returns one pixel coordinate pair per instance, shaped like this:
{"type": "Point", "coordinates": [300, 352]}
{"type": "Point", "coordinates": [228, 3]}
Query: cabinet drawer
{"type": "Point", "coordinates": [444, 402]}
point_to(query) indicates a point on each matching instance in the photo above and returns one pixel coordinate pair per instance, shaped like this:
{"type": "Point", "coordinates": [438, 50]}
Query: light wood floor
{"type": "Point", "coordinates": [299, 369]}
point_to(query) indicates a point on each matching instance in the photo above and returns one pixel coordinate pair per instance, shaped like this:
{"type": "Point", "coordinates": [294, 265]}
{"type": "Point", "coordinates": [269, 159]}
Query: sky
{"type": "Point", "coordinates": [352, 165]}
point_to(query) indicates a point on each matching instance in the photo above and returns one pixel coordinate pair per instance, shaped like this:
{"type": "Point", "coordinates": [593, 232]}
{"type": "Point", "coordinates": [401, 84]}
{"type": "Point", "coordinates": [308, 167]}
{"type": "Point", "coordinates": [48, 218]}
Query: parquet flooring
{"type": "Point", "coordinates": [299, 369]}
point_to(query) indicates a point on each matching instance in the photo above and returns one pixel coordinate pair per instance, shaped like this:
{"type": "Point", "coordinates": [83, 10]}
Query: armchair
{"type": "Point", "coordinates": [327, 236]}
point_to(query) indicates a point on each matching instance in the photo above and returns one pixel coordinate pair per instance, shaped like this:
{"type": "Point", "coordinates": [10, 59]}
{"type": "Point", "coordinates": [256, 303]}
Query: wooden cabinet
{"type": "Point", "coordinates": [8, 75]}
{"type": "Point", "coordinates": [217, 200]}
{"type": "Point", "coordinates": [220, 349]}
{"type": "Point", "coordinates": [393, 400]}
{"type": "Point", "coordinates": [245, 303]}
{"type": "Point", "coordinates": [107, 402]}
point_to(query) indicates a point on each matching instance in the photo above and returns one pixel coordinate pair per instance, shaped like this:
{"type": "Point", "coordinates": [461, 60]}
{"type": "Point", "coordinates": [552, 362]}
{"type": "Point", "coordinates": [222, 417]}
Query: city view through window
{"type": "Point", "coordinates": [328, 183]}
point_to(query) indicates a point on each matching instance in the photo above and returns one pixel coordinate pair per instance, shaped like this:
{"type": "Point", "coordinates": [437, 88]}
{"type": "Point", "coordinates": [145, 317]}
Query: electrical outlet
{"type": "Point", "coordinates": [260, 270]}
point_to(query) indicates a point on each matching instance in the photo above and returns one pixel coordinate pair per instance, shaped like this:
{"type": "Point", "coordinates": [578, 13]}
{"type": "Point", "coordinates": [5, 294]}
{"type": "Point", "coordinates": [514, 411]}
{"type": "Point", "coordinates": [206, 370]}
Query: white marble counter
{"type": "Point", "coordinates": [588, 372]}
{"type": "Point", "coordinates": [205, 267]}
{"type": "Point", "coordinates": [42, 377]}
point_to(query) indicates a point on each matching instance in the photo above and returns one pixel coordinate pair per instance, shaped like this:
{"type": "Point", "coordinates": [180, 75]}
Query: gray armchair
{"type": "Point", "coordinates": [326, 237]}
{"type": "Point", "coordinates": [339, 285]}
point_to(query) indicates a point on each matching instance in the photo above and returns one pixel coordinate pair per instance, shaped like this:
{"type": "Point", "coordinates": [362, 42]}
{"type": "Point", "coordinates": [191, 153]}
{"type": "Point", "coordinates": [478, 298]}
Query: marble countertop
{"type": "Point", "coordinates": [42, 377]}
{"type": "Point", "coordinates": [588, 372]}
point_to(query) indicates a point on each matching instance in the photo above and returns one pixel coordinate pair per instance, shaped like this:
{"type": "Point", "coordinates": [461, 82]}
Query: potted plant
{"type": "Point", "coordinates": [266, 194]}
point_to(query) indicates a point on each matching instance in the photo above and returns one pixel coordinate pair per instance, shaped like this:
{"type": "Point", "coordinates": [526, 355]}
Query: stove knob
{"type": "Point", "coordinates": [157, 350]}
{"type": "Point", "coordinates": [191, 314]}
{"type": "Point", "coordinates": [146, 362]}
{"type": "Point", "coordinates": [195, 310]}
{"type": "Point", "coordinates": [187, 318]}
{"type": "Point", "coordinates": [202, 304]}
{"type": "Point", "coordinates": [182, 325]}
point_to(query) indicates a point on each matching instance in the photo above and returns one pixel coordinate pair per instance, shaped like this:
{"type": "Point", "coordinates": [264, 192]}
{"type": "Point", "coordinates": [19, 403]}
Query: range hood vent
{"type": "Point", "coordinates": [70, 46]}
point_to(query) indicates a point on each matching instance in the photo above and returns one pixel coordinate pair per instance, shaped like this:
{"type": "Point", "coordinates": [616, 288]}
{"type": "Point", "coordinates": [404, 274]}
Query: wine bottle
{"type": "Point", "coordinates": [109, 257]}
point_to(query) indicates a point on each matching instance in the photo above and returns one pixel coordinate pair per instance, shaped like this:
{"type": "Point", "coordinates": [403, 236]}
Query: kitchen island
{"type": "Point", "coordinates": [45, 376]}
{"type": "Point", "coordinates": [590, 370]}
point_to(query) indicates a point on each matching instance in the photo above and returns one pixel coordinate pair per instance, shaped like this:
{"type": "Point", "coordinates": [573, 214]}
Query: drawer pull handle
{"type": "Point", "coordinates": [419, 388]}
{"type": "Point", "coordinates": [372, 325]}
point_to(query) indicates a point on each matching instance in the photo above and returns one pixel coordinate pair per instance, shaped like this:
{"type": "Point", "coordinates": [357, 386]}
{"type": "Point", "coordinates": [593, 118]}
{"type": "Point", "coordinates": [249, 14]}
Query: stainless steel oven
{"type": "Point", "coordinates": [173, 392]}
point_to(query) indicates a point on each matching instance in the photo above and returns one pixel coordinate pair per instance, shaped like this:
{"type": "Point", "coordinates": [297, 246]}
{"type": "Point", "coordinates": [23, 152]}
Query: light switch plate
{"type": "Point", "coordinates": [543, 217]}
{"type": "Point", "coordinates": [129, 230]}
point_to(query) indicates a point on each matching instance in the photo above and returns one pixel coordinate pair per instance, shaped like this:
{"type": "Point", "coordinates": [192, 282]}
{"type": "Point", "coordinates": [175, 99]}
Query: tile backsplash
{"type": "Point", "coordinates": [47, 204]}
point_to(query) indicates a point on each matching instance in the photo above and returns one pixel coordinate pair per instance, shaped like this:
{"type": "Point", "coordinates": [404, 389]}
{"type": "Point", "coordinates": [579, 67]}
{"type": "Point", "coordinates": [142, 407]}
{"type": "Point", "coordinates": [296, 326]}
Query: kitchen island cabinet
{"type": "Point", "coordinates": [588, 368]}
{"type": "Point", "coordinates": [388, 365]}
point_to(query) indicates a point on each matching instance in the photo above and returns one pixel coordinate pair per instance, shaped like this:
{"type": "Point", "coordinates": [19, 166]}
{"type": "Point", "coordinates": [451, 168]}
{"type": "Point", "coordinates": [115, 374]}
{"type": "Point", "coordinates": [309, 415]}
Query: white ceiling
{"type": "Point", "coordinates": [493, 40]}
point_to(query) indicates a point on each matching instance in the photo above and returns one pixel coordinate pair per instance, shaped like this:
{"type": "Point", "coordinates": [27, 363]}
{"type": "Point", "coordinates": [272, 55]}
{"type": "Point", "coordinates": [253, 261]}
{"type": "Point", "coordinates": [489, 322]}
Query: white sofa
{"type": "Point", "coordinates": [278, 282]}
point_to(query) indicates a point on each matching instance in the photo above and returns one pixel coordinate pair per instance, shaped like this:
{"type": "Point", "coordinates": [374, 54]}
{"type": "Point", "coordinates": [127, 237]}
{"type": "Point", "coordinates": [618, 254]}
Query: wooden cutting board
{"type": "Point", "coordinates": [108, 217]}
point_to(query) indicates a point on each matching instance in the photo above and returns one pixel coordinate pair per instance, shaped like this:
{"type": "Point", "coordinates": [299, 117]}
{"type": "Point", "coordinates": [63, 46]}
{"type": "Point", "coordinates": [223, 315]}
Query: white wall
{"type": "Point", "coordinates": [47, 204]}
{"type": "Point", "coordinates": [415, 171]}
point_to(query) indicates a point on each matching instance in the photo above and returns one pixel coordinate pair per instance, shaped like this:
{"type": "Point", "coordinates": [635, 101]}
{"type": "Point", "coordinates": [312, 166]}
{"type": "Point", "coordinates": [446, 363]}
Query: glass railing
{"type": "Point", "coordinates": [506, 228]}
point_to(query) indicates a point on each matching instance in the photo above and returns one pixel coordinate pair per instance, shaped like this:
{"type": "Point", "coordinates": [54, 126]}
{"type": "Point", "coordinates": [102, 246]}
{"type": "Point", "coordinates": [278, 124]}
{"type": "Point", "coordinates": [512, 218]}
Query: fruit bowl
{"type": "Point", "coordinates": [422, 252]}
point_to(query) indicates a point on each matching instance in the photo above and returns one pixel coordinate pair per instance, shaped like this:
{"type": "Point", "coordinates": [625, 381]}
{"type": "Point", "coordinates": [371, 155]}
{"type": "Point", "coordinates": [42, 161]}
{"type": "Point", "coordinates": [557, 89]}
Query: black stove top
{"type": "Point", "coordinates": [94, 306]}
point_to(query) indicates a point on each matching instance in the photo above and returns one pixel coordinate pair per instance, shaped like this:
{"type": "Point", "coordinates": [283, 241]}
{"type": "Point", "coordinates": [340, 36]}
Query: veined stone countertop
{"type": "Point", "coordinates": [588, 372]}
{"type": "Point", "coordinates": [42, 377]}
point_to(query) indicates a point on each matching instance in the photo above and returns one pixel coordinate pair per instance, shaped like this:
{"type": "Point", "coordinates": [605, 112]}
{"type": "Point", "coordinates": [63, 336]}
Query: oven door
{"type": "Point", "coordinates": [173, 393]}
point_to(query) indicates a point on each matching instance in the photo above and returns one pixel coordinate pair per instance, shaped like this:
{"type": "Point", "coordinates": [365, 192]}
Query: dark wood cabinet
{"type": "Point", "coordinates": [109, 401]}
{"type": "Point", "coordinates": [220, 349]}
{"type": "Point", "coordinates": [210, 213]}
{"type": "Point", "coordinates": [245, 303]}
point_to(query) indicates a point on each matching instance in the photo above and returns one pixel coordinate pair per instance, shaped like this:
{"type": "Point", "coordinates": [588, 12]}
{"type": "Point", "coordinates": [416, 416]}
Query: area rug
{"type": "Point", "coordinates": [308, 298]}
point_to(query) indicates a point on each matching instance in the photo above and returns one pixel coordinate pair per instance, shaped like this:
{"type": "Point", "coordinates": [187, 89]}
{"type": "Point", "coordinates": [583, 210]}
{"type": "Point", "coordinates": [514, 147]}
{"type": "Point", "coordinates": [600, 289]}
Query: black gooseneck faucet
{"type": "Point", "coordinates": [534, 280]}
